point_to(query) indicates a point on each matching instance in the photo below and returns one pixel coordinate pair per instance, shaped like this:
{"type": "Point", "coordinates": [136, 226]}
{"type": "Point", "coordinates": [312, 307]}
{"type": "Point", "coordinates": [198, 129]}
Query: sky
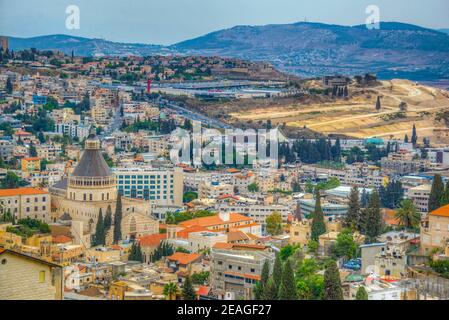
{"type": "Point", "coordinates": [170, 21]}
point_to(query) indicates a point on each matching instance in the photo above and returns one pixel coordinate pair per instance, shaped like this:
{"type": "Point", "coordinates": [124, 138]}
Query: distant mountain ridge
{"type": "Point", "coordinates": [84, 46]}
{"type": "Point", "coordinates": [307, 49]}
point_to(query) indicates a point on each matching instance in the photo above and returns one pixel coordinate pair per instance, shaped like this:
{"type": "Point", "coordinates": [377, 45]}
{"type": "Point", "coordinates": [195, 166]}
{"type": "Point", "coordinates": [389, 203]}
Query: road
{"type": "Point", "coordinates": [194, 116]}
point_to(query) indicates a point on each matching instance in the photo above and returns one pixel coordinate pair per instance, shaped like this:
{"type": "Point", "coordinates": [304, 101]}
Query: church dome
{"type": "Point", "coordinates": [92, 163]}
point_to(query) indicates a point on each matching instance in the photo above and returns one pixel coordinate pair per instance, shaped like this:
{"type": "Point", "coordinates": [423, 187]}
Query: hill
{"type": "Point", "coordinates": [396, 50]}
{"type": "Point", "coordinates": [84, 46]}
{"type": "Point", "coordinates": [311, 49]}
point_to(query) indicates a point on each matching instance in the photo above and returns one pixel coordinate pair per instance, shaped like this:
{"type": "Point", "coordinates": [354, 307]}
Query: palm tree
{"type": "Point", "coordinates": [407, 215]}
{"type": "Point", "coordinates": [170, 291]}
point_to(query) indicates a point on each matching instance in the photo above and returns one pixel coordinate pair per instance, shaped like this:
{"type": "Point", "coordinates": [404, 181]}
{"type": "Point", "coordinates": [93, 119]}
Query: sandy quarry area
{"type": "Point", "coordinates": [357, 116]}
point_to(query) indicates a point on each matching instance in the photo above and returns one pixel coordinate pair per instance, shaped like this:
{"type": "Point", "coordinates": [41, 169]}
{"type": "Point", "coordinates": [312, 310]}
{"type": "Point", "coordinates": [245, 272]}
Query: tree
{"type": "Point", "coordinates": [170, 291]}
{"type": "Point", "coordinates": [406, 138]}
{"type": "Point", "coordinates": [253, 187]}
{"type": "Point", "coordinates": [274, 224]}
{"type": "Point", "coordinates": [318, 226]}
{"type": "Point", "coordinates": [188, 292]}
{"type": "Point", "coordinates": [136, 253]}
{"type": "Point", "coordinates": [270, 291]}
{"type": "Point", "coordinates": [345, 246]}
{"type": "Point", "coordinates": [392, 195]}
{"type": "Point", "coordinates": [258, 291]}
{"type": "Point", "coordinates": [117, 235]}
{"type": "Point", "coordinates": [332, 283]}
{"type": "Point", "coordinates": [445, 197]}
{"type": "Point", "coordinates": [265, 275]}
{"type": "Point", "coordinates": [277, 272]}
{"type": "Point", "coordinates": [403, 106]}
{"type": "Point", "coordinates": [361, 294]}
{"type": "Point", "coordinates": [436, 193]}
{"type": "Point", "coordinates": [9, 86]}
{"type": "Point", "coordinates": [373, 226]}
{"type": "Point", "coordinates": [414, 136]}
{"type": "Point", "coordinates": [33, 151]}
{"type": "Point", "coordinates": [407, 215]}
{"type": "Point", "coordinates": [287, 290]}
{"type": "Point", "coordinates": [352, 217]}
{"type": "Point", "coordinates": [378, 105]}
{"type": "Point", "coordinates": [12, 181]}
{"type": "Point", "coordinates": [108, 219]}
{"type": "Point", "coordinates": [100, 235]}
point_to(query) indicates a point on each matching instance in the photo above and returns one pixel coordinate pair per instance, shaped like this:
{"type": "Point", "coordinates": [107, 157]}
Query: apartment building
{"type": "Point", "coordinates": [26, 203]}
{"type": "Point", "coordinates": [235, 269]}
{"type": "Point", "coordinates": [6, 149]}
{"type": "Point", "coordinates": [435, 229]}
{"type": "Point", "coordinates": [329, 209]}
{"type": "Point", "coordinates": [420, 197]}
{"type": "Point", "coordinates": [23, 277]}
{"type": "Point", "coordinates": [162, 186]}
{"type": "Point", "coordinates": [214, 189]}
{"type": "Point", "coordinates": [73, 130]}
{"type": "Point", "coordinates": [32, 164]}
{"type": "Point", "coordinates": [258, 212]}
{"type": "Point", "coordinates": [193, 177]}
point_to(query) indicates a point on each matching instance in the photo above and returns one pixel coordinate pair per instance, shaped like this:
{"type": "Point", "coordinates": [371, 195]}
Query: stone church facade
{"type": "Point", "coordinates": [91, 187]}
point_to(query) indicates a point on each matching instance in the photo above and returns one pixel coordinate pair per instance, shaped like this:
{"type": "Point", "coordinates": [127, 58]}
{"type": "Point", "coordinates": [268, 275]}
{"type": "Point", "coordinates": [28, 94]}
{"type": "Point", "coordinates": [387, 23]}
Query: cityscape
{"type": "Point", "coordinates": [305, 161]}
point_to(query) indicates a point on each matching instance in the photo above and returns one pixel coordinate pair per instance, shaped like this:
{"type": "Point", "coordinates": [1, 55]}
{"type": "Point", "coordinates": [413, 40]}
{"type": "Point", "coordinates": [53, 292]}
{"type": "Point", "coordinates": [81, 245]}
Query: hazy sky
{"type": "Point", "coordinates": [170, 21]}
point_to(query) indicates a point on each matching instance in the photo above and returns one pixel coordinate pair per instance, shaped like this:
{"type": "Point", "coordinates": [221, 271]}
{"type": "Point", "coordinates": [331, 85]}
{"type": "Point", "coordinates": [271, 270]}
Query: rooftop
{"type": "Point", "coordinates": [441, 212]}
{"type": "Point", "coordinates": [21, 192]}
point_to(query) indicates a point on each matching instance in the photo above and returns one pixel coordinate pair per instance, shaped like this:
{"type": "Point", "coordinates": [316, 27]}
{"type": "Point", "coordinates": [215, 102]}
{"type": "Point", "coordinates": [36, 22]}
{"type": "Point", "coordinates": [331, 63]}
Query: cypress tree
{"type": "Point", "coordinates": [361, 294]}
{"type": "Point", "coordinates": [258, 291]}
{"type": "Point", "coordinates": [414, 136]}
{"type": "Point", "coordinates": [188, 292]}
{"type": "Point", "coordinates": [436, 193]}
{"type": "Point", "coordinates": [108, 219]}
{"type": "Point", "coordinates": [117, 236]}
{"type": "Point", "coordinates": [445, 197]}
{"type": "Point", "coordinates": [378, 105]}
{"type": "Point", "coordinates": [332, 283]}
{"type": "Point", "coordinates": [277, 272]}
{"type": "Point", "coordinates": [406, 138]}
{"type": "Point", "coordinates": [287, 291]}
{"type": "Point", "coordinates": [99, 238]}
{"type": "Point", "coordinates": [352, 217]}
{"type": "Point", "coordinates": [318, 226]}
{"type": "Point", "coordinates": [373, 226]}
{"type": "Point", "coordinates": [270, 292]}
{"type": "Point", "coordinates": [33, 151]}
{"type": "Point", "coordinates": [265, 273]}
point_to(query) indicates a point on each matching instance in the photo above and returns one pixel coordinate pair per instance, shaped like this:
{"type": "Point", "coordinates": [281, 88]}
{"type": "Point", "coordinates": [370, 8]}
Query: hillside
{"type": "Point", "coordinates": [311, 49]}
{"type": "Point", "coordinates": [84, 46]}
{"type": "Point", "coordinates": [427, 108]}
{"type": "Point", "coordinates": [397, 50]}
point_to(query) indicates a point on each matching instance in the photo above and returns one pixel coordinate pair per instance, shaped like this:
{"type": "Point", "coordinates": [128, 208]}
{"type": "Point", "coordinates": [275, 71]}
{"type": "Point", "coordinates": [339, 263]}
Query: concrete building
{"type": "Point", "coordinates": [161, 186]}
{"type": "Point", "coordinates": [23, 277]}
{"type": "Point", "coordinates": [213, 190]}
{"type": "Point", "coordinates": [435, 229]}
{"type": "Point", "coordinates": [329, 209]}
{"type": "Point", "coordinates": [236, 268]}
{"type": "Point", "coordinates": [26, 203]}
{"type": "Point", "coordinates": [420, 197]}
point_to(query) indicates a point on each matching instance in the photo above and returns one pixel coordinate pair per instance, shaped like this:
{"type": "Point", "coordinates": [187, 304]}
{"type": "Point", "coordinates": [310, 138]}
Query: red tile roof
{"type": "Point", "coordinates": [441, 212]}
{"type": "Point", "coordinates": [184, 258]}
{"type": "Point", "coordinates": [21, 192]}
{"type": "Point", "coordinates": [203, 291]}
{"type": "Point", "coordinates": [152, 240]}
{"type": "Point", "coordinates": [61, 239]}
{"type": "Point", "coordinates": [185, 233]}
{"type": "Point", "coordinates": [214, 220]}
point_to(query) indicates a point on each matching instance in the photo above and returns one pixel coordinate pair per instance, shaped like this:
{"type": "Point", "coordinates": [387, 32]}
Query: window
{"type": "Point", "coordinates": [253, 270]}
{"type": "Point", "coordinates": [41, 276]}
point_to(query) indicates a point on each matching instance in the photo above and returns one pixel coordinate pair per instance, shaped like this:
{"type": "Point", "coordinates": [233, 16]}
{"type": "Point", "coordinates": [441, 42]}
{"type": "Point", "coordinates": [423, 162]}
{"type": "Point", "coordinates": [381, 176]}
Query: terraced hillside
{"type": "Point", "coordinates": [356, 116]}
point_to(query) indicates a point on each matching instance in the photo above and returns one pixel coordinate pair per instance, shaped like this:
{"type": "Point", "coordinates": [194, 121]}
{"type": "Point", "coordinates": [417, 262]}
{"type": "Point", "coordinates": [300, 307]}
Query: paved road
{"type": "Point", "coordinates": [194, 116]}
